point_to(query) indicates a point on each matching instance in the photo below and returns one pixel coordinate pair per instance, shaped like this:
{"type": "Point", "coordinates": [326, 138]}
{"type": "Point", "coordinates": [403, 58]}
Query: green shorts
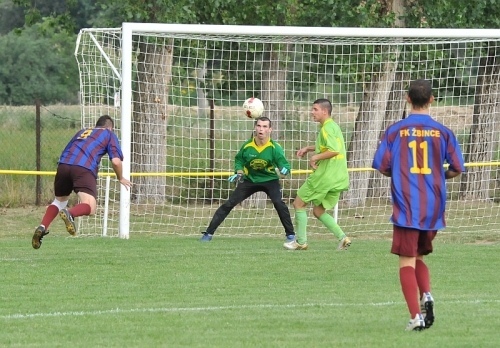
{"type": "Point", "coordinates": [327, 199]}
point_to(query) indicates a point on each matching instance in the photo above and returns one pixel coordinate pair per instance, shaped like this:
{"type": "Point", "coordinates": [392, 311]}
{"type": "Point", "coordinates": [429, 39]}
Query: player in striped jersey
{"type": "Point", "coordinates": [255, 171]}
{"type": "Point", "coordinates": [77, 171]}
{"type": "Point", "coordinates": [412, 153]}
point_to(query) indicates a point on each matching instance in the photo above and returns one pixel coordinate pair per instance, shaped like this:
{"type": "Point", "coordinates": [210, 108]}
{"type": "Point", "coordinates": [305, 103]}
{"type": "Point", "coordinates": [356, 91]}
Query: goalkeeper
{"type": "Point", "coordinates": [255, 171]}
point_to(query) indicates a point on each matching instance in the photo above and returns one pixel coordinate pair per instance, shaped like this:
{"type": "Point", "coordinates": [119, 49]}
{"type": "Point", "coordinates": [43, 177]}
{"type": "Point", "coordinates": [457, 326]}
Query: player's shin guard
{"type": "Point", "coordinates": [301, 225]}
{"type": "Point", "coordinates": [410, 289]}
{"type": "Point", "coordinates": [332, 226]}
{"type": "Point", "coordinates": [81, 209]}
{"type": "Point", "coordinates": [52, 211]}
{"type": "Point", "coordinates": [423, 279]}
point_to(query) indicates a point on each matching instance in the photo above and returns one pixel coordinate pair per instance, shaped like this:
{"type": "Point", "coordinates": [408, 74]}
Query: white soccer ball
{"type": "Point", "coordinates": [253, 107]}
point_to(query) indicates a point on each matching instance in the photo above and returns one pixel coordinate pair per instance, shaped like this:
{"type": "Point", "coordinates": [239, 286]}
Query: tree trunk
{"type": "Point", "coordinates": [273, 97]}
{"type": "Point", "coordinates": [273, 89]}
{"type": "Point", "coordinates": [477, 182]}
{"type": "Point", "coordinates": [379, 185]}
{"type": "Point", "coordinates": [383, 103]}
{"type": "Point", "coordinates": [203, 106]}
{"type": "Point", "coordinates": [154, 66]}
{"type": "Point", "coordinates": [364, 141]}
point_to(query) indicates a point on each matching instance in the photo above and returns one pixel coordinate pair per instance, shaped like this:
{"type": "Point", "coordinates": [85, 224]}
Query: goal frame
{"type": "Point", "coordinates": [128, 30]}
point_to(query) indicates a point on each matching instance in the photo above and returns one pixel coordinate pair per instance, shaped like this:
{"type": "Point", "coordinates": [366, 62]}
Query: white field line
{"type": "Point", "coordinates": [216, 308]}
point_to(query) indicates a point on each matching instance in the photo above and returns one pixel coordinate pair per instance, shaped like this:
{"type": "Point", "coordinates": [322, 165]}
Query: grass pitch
{"type": "Point", "coordinates": [172, 291]}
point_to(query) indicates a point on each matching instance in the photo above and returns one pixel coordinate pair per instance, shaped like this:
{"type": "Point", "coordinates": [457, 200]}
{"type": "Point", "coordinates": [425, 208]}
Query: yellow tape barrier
{"type": "Point", "coordinates": [212, 174]}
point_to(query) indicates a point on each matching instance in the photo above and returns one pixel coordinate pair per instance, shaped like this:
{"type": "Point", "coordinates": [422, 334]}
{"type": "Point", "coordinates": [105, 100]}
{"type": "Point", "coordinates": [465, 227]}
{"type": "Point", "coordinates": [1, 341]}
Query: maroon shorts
{"type": "Point", "coordinates": [411, 242]}
{"type": "Point", "coordinates": [74, 178]}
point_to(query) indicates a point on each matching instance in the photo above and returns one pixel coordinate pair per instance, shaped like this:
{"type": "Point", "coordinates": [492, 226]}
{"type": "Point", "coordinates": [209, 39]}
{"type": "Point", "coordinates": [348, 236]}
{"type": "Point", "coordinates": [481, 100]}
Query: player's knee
{"type": "Point", "coordinates": [278, 203]}
{"type": "Point", "coordinates": [60, 205]}
{"type": "Point", "coordinates": [317, 212]}
{"type": "Point", "coordinates": [92, 209]}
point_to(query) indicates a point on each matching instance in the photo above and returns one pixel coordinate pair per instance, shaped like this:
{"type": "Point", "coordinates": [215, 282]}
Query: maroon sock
{"type": "Point", "coordinates": [410, 289]}
{"type": "Point", "coordinates": [80, 210]}
{"type": "Point", "coordinates": [50, 215]}
{"type": "Point", "coordinates": [423, 279]}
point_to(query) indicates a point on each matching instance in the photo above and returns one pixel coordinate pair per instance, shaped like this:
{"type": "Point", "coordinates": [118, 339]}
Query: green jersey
{"type": "Point", "coordinates": [259, 162]}
{"type": "Point", "coordinates": [331, 174]}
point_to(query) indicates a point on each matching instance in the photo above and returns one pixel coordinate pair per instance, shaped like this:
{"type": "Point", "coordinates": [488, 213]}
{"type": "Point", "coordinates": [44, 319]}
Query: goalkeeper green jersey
{"type": "Point", "coordinates": [259, 162]}
{"type": "Point", "coordinates": [331, 174]}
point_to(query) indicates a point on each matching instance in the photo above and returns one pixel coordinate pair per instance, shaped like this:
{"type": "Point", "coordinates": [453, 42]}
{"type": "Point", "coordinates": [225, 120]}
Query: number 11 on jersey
{"type": "Point", "coordinates": [424, 147]}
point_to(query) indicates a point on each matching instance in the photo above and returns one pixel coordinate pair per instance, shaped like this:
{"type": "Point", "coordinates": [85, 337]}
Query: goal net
{"type": "Point", "coordinates": [176, 94]}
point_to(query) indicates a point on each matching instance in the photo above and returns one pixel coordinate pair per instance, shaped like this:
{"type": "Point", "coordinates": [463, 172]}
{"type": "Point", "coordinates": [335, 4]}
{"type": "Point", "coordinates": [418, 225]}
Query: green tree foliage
{"type": "Point", "coordinates": [35, 66]}
{"type": "Point", "coordinates": [71, 15]}
{"type": "Point", "coordinates": [75, 14]}
{"type": "Point", "coordinates": [11, 16]}
{"type": "Point", "coordinates": [55, 14]}
{"type": "Point", "coordinates": [454, 13]}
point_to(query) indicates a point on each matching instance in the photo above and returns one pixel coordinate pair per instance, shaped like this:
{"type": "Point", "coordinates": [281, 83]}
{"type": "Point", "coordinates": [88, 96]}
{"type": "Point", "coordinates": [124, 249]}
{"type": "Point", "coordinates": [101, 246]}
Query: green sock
{"type": "Point", "coordinates": [332, 226]}
{"type": "Point", "coordinates": [301, 225]}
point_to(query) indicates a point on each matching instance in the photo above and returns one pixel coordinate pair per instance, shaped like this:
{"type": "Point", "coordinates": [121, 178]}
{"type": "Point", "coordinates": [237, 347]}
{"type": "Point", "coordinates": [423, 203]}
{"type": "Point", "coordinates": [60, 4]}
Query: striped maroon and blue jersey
{"type": "Point", "coordinates": [414, 151]}
{"type": "Point", "coordinates": [87, 147]}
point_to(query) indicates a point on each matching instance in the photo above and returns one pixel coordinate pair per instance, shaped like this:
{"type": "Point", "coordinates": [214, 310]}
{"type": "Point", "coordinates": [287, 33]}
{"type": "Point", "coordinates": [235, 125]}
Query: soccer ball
{"type": "Point", "coordinates": [253, 107]}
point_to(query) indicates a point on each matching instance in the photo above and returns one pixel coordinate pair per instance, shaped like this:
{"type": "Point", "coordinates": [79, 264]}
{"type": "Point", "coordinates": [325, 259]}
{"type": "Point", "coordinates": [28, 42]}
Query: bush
{"type": "Point", "coordinates": [38, 67]}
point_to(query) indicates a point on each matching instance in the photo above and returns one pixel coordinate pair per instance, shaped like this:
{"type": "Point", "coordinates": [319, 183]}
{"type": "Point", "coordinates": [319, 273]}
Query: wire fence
{"type": "Point", "coordinates": [32, 139]}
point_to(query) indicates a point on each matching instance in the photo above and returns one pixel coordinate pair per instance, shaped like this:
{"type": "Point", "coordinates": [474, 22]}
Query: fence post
{"type": "Point", "coordinates": [38, 189]}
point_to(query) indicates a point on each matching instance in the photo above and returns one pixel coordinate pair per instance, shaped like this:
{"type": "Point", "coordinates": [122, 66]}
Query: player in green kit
{"type": "Point", "coordinates": [255, 170]}
{"type": "Point", "coordinates": [328, 180]}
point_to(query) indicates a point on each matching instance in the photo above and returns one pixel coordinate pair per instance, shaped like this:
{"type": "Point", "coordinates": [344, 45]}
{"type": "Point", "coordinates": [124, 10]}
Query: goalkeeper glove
{"type": "Point", "coordinates": [284, 171]}
{"type": "Point", "coordinates": [236, 177]}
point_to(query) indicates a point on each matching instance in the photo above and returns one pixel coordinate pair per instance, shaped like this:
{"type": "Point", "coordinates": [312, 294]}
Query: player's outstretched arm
{"type": "Point", "coordinates": [117, 167]}
{"type": "Point", "coordinates": [305, 150]}
{"type": "Point", "coordinates": [280, 161]}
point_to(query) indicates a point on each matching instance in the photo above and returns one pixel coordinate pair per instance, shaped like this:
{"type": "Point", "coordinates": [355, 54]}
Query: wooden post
{"type": "Point", "coordinates": [38, 127]}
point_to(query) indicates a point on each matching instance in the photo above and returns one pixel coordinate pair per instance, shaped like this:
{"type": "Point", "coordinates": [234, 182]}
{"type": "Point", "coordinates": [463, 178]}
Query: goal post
{"type": "Point", "coordinates": [180, 121]}
{"type": "Point", "coordinates": [126, 117]}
